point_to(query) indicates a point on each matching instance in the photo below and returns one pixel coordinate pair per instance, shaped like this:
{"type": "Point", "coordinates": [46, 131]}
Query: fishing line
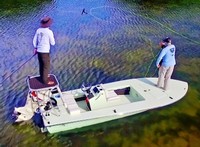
{"type": "Point", "coordinates": [72, 29]}
{"type": "Point", "coordinates": [168, 28]}
{"type": "Point", "coordinates": [21, 66]}
{"type": "Point", "coordinates": [143, 16]}
{"type": "Point", "coordinates": [154, 57]}
{"type": "Point", "coordinates": [100, 19]}
{"type": "Point", "coordinates": [151, 19]}
{"type": "Point", "coordinates": [16, 69]}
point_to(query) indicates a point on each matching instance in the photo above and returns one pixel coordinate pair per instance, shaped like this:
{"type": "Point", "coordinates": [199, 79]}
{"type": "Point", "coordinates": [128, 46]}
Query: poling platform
{"type": "Point", "coordinates": [35, 83]}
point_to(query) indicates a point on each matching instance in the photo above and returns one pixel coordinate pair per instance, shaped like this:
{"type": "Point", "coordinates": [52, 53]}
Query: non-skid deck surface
{"type": "Point", "coordinates": [36, 84]}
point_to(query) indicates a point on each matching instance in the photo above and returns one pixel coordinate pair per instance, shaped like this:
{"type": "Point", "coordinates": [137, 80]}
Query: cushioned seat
{"type": "Point", "coordinates": [70, 104]}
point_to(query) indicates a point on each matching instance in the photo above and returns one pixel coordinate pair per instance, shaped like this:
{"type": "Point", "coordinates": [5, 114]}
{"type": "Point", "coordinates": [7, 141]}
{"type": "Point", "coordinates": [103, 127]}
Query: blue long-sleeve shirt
{"type": "Point", "coordinates": [167, 55]}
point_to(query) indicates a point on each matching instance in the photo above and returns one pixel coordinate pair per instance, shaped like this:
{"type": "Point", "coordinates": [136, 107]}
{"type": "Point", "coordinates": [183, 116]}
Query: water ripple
{"type": "Point", "coordinates": [113, 41]}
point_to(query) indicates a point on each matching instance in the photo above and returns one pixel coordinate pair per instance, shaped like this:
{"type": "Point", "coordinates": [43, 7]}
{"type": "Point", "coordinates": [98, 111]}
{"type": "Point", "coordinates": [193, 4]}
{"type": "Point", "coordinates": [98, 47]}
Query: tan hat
{"type": "Point", "coordinates": [46, 22]}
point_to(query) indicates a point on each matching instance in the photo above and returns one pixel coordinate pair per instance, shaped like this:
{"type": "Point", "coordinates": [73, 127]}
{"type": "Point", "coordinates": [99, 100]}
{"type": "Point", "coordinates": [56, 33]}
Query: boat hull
{"type": "Point", "coordinates": [85, 123]}
{"type": "Point", "coordinates": [154, 99]}
{"type": "Point", "coordinates": [79, 108]}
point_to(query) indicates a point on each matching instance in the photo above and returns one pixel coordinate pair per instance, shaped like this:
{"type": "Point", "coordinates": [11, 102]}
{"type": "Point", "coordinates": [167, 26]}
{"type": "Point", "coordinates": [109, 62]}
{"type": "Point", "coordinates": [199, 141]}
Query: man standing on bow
{"type": "Point", "coordinates": [42, 41]}
{"type": "Point", "coordinates": [166, 68]}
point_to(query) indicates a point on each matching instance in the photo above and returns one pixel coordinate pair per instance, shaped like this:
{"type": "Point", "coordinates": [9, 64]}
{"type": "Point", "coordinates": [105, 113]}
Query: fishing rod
{"type": "Point", "coordinates": [83, 12]}
{"type": "Point", "coordinates": [17, 69]}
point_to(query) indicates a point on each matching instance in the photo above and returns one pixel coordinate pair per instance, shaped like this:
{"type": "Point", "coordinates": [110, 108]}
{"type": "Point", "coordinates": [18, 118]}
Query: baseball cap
{"type": "Point", "coordinates": [167, 39]}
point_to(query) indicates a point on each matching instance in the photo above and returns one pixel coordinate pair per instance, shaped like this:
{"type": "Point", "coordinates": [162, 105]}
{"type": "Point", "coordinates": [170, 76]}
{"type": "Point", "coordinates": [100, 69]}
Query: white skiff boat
{"type": "Point", "coordinates": [64, 111]}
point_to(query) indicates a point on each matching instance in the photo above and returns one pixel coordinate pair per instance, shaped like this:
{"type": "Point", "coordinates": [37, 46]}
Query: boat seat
{"type": "Point", "coordinates": [70, 104]}
{"type": "Point", "coordinates": [111, 95]}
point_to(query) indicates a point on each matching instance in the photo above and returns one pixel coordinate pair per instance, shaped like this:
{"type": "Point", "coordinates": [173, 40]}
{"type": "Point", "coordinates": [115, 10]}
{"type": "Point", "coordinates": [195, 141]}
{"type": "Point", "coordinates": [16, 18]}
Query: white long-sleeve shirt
{"type": "Point", "coordinates": [43, 39]}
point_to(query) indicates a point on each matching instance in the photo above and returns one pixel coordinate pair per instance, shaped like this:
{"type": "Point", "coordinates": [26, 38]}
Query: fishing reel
{"type": "Point", "coordinates": [51, 103]}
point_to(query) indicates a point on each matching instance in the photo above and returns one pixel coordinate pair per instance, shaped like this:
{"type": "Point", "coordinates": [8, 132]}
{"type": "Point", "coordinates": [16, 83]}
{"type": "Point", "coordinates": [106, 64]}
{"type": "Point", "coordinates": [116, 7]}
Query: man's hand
{"type": "Point", "coordinates": [162, 44]}
{"type": "Point", "coordinates": [35, 51]}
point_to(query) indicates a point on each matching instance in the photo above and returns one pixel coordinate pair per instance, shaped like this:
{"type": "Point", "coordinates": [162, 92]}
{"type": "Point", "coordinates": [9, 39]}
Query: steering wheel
{"type": "Point", "coordinates": [85, 89]}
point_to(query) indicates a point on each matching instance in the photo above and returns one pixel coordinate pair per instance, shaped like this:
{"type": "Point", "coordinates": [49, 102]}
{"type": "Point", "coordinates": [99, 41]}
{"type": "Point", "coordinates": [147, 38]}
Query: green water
{"type": "Point", "coordinates": [117, 40]}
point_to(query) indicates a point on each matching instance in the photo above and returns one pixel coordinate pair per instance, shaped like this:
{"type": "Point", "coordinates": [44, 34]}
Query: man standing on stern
{"type": "Point", "coordinates": [42, 41]}
{"type": "Point", "coordinates": [166, 68]}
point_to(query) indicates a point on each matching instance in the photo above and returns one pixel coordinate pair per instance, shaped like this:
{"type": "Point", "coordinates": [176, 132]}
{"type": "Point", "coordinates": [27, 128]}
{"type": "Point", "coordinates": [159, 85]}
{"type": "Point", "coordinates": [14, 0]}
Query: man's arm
{"type": "Point", "coordinates": [161, 55]}
{"type": "Point", "coordinates": [51, 38]}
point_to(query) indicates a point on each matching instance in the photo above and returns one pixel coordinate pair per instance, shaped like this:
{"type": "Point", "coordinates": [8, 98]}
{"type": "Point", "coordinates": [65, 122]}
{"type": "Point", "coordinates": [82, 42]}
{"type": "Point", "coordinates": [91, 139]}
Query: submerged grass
{"type": "Point", "coordinates": [166, 3]}
{"type": "Point", "coordinates": [14, 7]}
{"type": "Point", "coordinates": [174, 125]}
